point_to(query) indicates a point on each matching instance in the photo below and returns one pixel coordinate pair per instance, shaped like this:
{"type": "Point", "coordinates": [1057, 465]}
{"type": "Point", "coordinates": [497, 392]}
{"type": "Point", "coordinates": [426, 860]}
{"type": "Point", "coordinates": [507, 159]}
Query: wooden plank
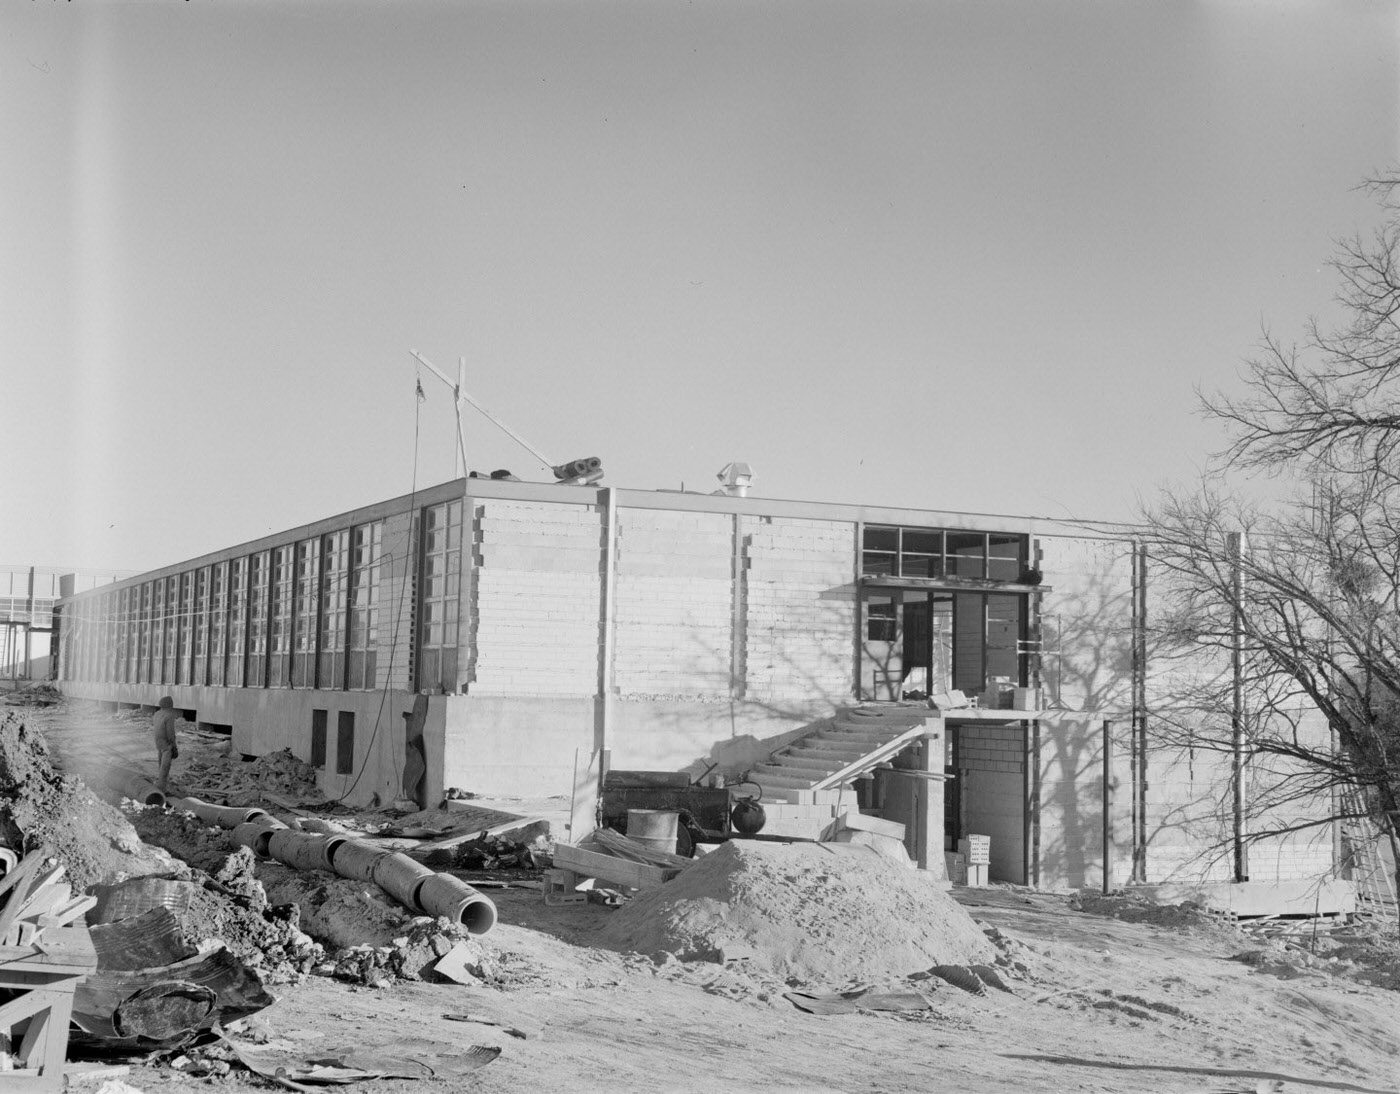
{"type": "Point", "coordinates": [860, 822]}
{"type": "Point", "coordinates": [634, 875]}
{"type": "Point", "coordinates": [480, 833]}
{"type": "Point", "coordinates": [65, 913]}
{"type": "Point", "coordinates": [29, 1003]}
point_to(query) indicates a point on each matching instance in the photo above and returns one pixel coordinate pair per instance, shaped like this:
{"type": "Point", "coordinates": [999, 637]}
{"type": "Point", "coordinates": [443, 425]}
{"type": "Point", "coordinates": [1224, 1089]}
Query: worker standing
{"type": "Point", "coordinates": [163, 729]}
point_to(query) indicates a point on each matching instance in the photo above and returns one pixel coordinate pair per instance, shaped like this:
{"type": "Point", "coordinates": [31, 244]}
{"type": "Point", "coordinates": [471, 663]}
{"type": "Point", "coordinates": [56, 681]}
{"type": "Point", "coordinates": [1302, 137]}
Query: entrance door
{"type": "Point", "coordinates": [906, 643]}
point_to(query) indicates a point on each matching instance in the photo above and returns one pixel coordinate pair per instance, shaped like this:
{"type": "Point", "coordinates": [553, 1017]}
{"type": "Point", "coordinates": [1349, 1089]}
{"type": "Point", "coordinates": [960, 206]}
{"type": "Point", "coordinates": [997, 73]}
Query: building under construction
{"type": "Point", "coordinates": [508, 638]}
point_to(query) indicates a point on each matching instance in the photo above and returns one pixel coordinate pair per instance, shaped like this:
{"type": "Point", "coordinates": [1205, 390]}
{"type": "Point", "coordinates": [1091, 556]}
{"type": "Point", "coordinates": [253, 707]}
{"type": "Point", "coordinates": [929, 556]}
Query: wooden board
{"type": "Point", "coordinates": [633, 875]}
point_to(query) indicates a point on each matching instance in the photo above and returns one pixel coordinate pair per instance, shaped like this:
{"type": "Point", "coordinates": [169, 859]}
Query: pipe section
{"type": "Point", "coordinates": [450, 896]}
{"type": "Point", "coordinates": [400, 876]}
{"type": "Point", "coordinates": [355, 859]}
{"type": "Point", "coordinates": [257, 834]}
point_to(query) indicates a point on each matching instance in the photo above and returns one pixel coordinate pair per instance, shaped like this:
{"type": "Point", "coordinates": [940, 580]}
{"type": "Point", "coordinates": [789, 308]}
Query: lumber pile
{"type": "Point", "coordinates": [43, 959]}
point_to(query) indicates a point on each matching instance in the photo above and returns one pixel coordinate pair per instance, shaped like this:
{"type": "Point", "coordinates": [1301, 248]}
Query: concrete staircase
{"type": "Point", "coordinates": [813, 769]}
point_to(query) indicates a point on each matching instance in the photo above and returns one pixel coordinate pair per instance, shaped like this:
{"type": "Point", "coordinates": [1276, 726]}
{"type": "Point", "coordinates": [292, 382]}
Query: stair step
{"type": "Point", "coordinates": [798, 762]}
{"type": "Point", "coordinates": [843, 756]}
{"type": "Point", "coordinates": [770, 777]}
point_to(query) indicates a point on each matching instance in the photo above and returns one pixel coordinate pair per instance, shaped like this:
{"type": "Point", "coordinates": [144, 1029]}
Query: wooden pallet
{"type": "Point", "coordinates": [44, 958]}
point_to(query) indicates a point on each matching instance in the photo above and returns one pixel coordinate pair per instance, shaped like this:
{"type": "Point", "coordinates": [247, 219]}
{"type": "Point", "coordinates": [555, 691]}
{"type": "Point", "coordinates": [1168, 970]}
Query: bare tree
{"type": "Point", "coordinates": [1288, 611]}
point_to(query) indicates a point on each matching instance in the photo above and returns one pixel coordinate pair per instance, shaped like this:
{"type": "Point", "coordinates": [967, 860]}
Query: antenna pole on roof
{"type": "Point", "coordinates": [461, 452]}
{"type": "Point", "coordinates": [459, 393]}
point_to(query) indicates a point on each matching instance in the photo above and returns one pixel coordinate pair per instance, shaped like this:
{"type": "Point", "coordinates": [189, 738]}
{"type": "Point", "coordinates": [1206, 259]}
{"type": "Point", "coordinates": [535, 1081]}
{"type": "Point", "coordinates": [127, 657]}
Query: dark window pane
{"type": "Point", "coordinates": [879, 538]}
{"type": "Point", "coordinates": [318, 738]}
{"type": "Point", "coordinates": [922, 541]}
{"type": "Point", "coordinates": [965, 555]}
{"type": "Point", "coordinates": [1004, 557]}
{"type": "Point", "coordinates": [345, 743]}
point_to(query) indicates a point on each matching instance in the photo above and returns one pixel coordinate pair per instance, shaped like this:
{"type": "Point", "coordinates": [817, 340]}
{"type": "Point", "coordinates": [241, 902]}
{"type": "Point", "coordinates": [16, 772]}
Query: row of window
{"type": "Point", "coordinates": [891, 551]}
{"type": "Point", "coordinates": [304, 614]}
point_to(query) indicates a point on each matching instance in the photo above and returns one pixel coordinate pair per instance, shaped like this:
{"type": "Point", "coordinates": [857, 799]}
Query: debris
{"type": "Point", "coordinates": [460, 964]}
{"type": "Point", "coordinates": [632, 875]}
{"type": "Point", "coordinates": [960, 976]}
{"type": "Point", "coordinates": [41, 966]}
{"type": "Point", "coordinates": [281, 1062]}
{"type": "Point", "coordinates": [847, 1002]}
{"type": "Point", "coordinates": [514, 1031]}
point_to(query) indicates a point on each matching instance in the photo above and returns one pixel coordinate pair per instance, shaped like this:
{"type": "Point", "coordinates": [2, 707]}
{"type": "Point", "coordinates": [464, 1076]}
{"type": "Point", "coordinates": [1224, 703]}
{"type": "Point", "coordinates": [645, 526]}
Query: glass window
{"type": "Point", "coordinates": [305, 601]}
{"type": "Point", "coordinates": [318, 738]}
{"type": "Point", "coordinates": [345, 743]}
{"type": "Point", "coordinates": [966, 554]}
{"type": "Point", "coordinates": [236, 660]}
{"type": "Point", "coordinates": [364, 605]}
{"type": "Point", "coordinates": [335, 559]}
{"type": "Point", "coordinates": [279, 642]}
{"type": "Point", "coordinates": [880, 550]}
{"type": "Point", "coordinates": [440, 565]}
{"type": "Point", "coordinates": [1005, 557]}
{"type": "Point", "coordinates": [259, 597]}
{"type": "Point", "coordinates": [218, 623]}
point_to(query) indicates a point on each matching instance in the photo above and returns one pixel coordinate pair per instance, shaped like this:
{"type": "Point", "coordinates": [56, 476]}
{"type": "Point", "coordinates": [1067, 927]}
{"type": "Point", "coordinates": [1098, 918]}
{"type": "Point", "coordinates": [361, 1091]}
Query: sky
{"type": "Point", "coordinates": [971, 255]}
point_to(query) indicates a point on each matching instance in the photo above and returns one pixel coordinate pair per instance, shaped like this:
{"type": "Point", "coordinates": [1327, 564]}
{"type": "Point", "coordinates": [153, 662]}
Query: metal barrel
{"type": "Point", "coordinates": [257, 834]}
{"type": "Point", "coordinates": [400, 876]}
{"type": "Point", "coordinates": [300, 850]}
{"type": "Point", "coordinates": [450, 896]}
{"type": "Point", "coordinates": [355, 859]}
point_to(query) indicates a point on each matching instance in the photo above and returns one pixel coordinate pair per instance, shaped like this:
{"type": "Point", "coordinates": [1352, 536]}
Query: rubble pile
{"type": "Point", "coordinates": [489, 854]}
{"type": "Point", "coordinates": [150, 987]}
{"type": "Point", "coordinates": [411, 956]}
{"type": "Point", "coordinates": [280, 773]}
{"type": "Point", "coordinates": [39, 694]}
{"type": "Point", "coordinates": [40, 807]}
{"type": "Point", "coordinates": [370, 936]}
{"type": "Point", "coordinates": [1137, 908]}
{"type": "Point", "coordinates": [801, 912]}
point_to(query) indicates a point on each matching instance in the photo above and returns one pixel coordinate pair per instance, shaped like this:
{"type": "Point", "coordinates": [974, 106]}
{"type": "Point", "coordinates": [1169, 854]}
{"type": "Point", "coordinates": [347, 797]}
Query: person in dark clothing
{"type": "Point", "coordinates": [163, 729]}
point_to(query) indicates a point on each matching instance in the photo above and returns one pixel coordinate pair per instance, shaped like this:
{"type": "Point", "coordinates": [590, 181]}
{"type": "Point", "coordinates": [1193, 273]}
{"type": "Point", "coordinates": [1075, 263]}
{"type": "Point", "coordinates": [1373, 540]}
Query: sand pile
{"type": "Point", "coordinates": [39, 807]}
{"type": "Point", "coordinates": [803, 913]}
{"type": "Point", "coordinates": [236, 783]}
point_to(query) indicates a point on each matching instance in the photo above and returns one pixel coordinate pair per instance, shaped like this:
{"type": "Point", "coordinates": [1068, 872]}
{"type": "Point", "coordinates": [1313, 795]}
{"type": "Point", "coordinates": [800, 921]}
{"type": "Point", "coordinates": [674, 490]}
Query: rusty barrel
{"type": "Point", "coordinates": [355, 859]}
{"type": "Point", "coordinates": [299, 850]}
{"type": "Point", "coordinates": [257, 834]}
{"type": "Point", "coordinates": [446, 895]}
{"type": "Point", "coordinates": [400, 876]}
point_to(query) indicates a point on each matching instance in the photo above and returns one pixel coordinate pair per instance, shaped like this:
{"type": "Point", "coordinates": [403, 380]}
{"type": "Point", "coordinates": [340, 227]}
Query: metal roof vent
{"type": "Point", "coordinates": [735, 479]}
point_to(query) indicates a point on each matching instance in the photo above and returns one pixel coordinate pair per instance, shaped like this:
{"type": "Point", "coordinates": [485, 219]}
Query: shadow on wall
{"type": "Point", "coordinates": [1088, 670]}
{"type": "Point", "coordinates": [765, 705]}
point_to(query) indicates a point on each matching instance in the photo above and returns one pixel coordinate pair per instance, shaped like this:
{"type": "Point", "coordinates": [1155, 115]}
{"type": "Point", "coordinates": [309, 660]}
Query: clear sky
{"type": "Point", "coordinates": [958, 254]}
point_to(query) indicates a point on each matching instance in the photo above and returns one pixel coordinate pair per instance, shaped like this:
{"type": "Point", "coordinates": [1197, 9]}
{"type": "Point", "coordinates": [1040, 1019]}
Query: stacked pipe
{"type": "Point", "coordinates": [407, 880]}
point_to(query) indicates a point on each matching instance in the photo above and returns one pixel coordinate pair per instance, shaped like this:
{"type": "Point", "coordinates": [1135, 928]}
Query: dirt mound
{"type": "Point", "coordinates": [41, 808]}
{"type": "Point", "coordinates": [1135, 908]}
{"type": "Point", "coordinates": [803, 913]}
{"type": "Point", "coordinates": [236, 783]}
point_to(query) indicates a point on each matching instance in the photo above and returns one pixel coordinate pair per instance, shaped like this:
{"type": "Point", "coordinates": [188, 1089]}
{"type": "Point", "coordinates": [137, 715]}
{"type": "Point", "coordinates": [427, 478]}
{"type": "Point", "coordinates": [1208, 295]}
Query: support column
{"type": "Point", "coordinates": [930, 800]}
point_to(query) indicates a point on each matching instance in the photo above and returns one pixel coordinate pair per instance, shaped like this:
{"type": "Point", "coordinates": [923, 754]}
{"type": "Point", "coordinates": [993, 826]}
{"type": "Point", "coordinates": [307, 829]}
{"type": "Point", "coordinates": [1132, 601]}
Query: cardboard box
{"type": "Point", "coordinates": [977, 875]}
{"type": "Point", "coordinates": [976, 849]}
{"type": "Point", "coordinates": [956, 866]}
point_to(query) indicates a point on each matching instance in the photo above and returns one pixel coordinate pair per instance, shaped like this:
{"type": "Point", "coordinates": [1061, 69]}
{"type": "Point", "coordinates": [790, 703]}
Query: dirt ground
{"type": "Point", "coordinates": [1098, 1002]}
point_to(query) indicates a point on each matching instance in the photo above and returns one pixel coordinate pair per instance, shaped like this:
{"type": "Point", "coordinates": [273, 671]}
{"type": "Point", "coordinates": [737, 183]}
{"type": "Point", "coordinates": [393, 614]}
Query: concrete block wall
{"type": "Point", "coordinates": [1070, 811]}
{"type": "Point", "coordinates": [535, 622]}
{"type": "Point", "coordinates": [674, 614]}
{"type": "Point", "coordinates": [1087, 622]}
{"type": "Point", "coordinates": [992, 770]}
{"type": "Point", "coordinates": [800, 602]}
